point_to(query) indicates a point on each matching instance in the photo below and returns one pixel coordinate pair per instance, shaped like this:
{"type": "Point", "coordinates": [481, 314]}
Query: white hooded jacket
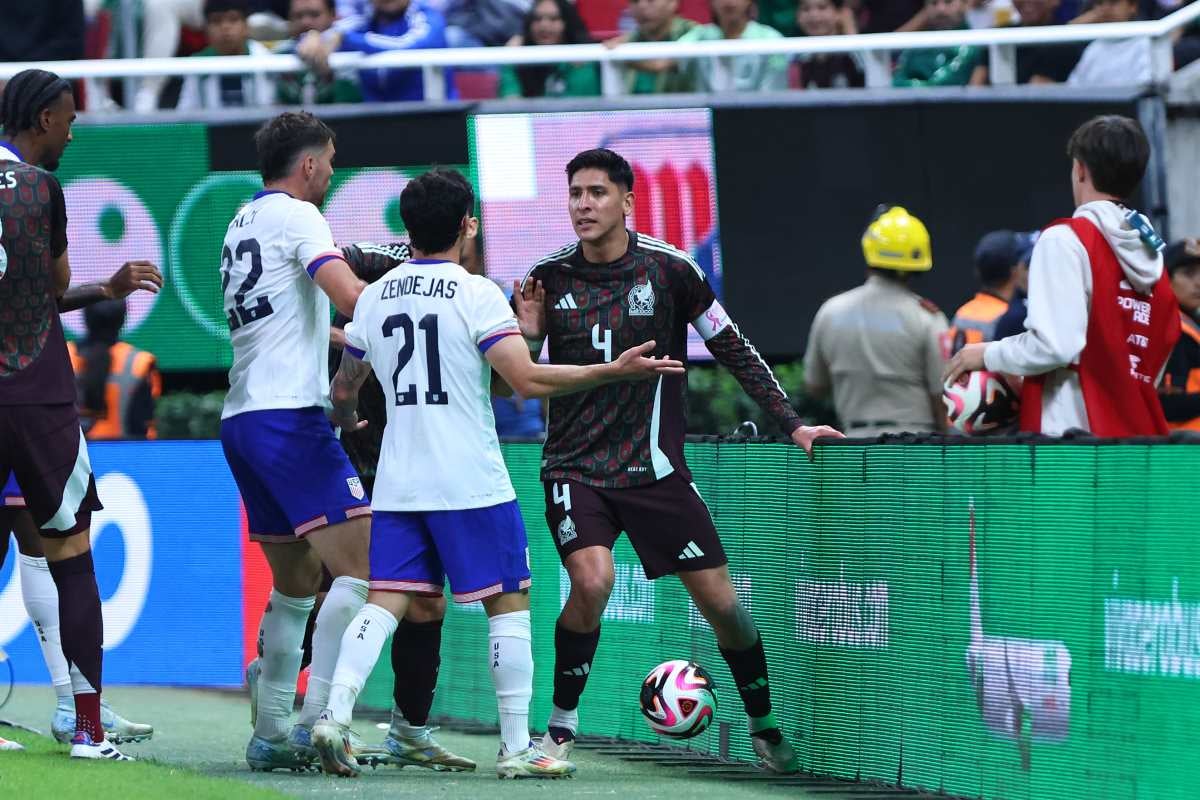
{"type": "Point", "coordinates": [1060, 297]}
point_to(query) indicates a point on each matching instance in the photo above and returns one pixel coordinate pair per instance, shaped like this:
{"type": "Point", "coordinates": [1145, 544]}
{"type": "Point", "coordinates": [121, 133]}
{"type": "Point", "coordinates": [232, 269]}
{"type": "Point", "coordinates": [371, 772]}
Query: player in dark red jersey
{"type": "Point", "coordinates": [40, 438]}
{"type": "Point", "coordinates": [613, 458]}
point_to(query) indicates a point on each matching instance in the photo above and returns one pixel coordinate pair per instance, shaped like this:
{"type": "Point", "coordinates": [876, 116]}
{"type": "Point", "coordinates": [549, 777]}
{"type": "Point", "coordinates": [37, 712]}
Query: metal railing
{"type": "Point", "coordinates": [876, 51]}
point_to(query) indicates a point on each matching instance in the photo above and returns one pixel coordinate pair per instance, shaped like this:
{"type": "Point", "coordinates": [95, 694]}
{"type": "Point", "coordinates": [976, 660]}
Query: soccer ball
{"type": "Point", "coordinates": [980, 402]}
{"type": "Point", "coordinates": [678, 700]}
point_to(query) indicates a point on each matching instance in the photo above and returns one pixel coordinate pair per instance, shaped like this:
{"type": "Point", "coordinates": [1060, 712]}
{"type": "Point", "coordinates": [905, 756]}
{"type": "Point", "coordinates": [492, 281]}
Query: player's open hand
{"type": "Point", "coordinates": [805, 435]}
{"type": "Point", "coordinates": [968, 359]}
{"type": "Point", "coordinates": [634, 364]}
{"type": "Point", "coordinates": [134, 275]}
{"type": "Point", "coordinates": [348, 421]}
{"type": "Point", "coordinates": [530, 303]}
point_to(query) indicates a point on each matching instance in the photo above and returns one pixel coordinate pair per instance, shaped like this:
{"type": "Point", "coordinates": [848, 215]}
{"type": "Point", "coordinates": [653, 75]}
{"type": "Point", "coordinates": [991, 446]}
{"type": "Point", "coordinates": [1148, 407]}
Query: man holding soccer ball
{"type": "Point", "coordinates": [1102, 318]}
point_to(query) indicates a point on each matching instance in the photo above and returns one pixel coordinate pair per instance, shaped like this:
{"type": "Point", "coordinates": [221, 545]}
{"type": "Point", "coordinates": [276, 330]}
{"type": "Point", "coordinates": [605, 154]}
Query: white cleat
{"type": "Point", "coordinates": [416, 747]}
{"type": "Point", "coordinates": [117, 729]}
{"type": "Point", "coordinates": [774, 753]}
{"type": "Point", "coordinates": [558, 742]}
{"type": "Point", "coordinates": [82, 746]}
{"type": "Point", "coordinates": [8, 744]}
{"type": "Point", "coordinates": [532, 762]}
{"type": "Point", "coordinates": [332, 742]}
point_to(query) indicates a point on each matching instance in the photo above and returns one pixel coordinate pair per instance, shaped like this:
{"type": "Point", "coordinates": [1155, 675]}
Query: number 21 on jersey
{"type": "Point", "coordinates": [401, 325]}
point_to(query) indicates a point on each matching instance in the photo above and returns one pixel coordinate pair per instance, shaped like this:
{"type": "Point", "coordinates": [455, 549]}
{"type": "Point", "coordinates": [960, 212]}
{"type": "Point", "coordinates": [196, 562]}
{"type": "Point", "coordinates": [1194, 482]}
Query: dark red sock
{"type": "Point", "coordinates": [87, 715]}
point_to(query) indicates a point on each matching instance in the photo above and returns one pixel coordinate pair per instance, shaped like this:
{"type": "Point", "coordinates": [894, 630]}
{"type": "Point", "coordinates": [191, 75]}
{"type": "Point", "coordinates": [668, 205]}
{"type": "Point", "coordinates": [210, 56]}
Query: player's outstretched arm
{"type": "Point", "coordinates": [510, 358]}
{"type": "Point", "coordinates": [343, 393]}
{"type": "Point", "coordinates": [339, 283]}
{"type": "Point", "coordinates": [132, 275]}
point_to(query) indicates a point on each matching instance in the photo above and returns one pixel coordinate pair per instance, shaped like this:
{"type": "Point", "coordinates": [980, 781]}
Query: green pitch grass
{"type": "Point", "coordinates": [200, 738]}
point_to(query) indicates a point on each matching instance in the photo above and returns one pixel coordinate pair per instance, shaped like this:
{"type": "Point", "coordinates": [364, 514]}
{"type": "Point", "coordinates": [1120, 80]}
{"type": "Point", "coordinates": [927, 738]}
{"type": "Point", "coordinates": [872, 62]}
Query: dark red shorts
{"type": "Point", "coordinates": [44, 447]}
{"type": "Point", "coordinates": [667, 522]}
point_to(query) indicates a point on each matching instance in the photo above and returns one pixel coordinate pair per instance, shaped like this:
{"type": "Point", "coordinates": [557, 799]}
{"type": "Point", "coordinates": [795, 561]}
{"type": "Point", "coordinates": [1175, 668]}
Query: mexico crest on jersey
{"type": "Point", "coordinates": [356, 488]}
{"type": "Point", "coordinates": [641, 300]}
{"type": "Point", "coordinates": [566, 531]}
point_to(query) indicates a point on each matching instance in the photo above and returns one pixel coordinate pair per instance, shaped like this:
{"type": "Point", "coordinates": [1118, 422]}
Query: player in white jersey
{"type": "Point", "coordinates": [444, 505]}
{"type": "Point", "coordinates": [304, 502]}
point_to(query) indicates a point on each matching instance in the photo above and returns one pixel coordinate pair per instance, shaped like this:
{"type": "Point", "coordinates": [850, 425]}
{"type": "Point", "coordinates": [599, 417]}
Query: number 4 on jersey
{"type": "Point", "coordinates": [602, 341]}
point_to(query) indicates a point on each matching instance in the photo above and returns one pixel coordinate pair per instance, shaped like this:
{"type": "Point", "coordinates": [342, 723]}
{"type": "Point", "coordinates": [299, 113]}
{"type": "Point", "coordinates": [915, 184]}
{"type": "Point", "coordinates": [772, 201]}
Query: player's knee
{"type": "Point", "coordinates": [426, 609]}
{"type": "Point", "coordinates": [592, 589]}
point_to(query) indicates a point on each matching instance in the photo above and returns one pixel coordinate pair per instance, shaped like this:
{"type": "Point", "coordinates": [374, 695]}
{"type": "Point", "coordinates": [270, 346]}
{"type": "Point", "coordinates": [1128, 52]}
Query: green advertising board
{"type": "Point", "coordinates": [1000, 621]}
{"type": "Point", "coordinates": [149, 191]}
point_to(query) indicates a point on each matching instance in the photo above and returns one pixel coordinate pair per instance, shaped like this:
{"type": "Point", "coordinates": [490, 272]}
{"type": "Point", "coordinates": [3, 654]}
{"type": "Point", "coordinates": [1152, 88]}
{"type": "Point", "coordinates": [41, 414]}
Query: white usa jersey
{"type": "Point", "coordinates": [278, 317]}
{"type": "Point", "coordinates": [424, 327]}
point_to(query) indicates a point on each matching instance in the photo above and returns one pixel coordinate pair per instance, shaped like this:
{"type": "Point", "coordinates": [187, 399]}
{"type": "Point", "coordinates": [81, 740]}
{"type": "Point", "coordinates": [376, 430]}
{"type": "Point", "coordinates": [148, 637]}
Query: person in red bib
{"type": "Point", "coordinates": [1102, 317]}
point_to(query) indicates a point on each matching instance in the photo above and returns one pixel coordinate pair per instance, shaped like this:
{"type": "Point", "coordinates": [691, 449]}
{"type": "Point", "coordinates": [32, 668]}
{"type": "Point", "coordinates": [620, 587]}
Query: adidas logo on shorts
{"type": "Point", "coordinates": [691, 551]}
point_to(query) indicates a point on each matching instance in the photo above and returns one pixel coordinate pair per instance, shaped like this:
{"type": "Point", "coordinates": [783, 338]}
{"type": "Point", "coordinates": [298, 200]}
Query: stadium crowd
{"type": "Point", "coordinates": [314, 29]}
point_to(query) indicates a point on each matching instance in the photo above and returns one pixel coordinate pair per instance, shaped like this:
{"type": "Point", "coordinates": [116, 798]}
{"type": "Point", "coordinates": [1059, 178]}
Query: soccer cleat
{"type": "Point", "coordinates": [558, 742]}
{"type": "Point", "coordinates": [774, 752]}
{"type": "Point", "coordinates": [264, 755]}
{"type": "Point", "coordinates": [117, 729]}
{"type": "Point", "coordinates": [8, 744]}
{"type": "Point", "coordinates": [532, 762]}
{"type": "Point", "coordinates": [82, 746]}
{"type": "Point", "coordinates": [422, 750]}
{"type": "Point", "coordinates": [366, 755]}
{"type": "Point", "coordinates": [253, 671]}
{"type": "Point", "coordinates": [332, 741]}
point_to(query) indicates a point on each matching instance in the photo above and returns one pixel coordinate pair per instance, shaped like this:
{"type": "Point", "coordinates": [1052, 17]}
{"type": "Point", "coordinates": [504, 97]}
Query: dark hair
{"type": "Point", "coordinates": [282, 139]}
{"type": "Point", "coordinates": [329, 6]}
{"type": "Point", "coordinates": [103, 321]}
{"type": "Point", "coordinates": [532, 77]}
{"type": "Point", "coordinates": [433, 205]}
{"type": "Point", "coordinates": [615, 167]}
{"type": "Point", "coordinates": [1115, 151]}
{"type": "Point", "coordinates": [26, 96]}
{"type": "Point", "coordinates": [221, 6]}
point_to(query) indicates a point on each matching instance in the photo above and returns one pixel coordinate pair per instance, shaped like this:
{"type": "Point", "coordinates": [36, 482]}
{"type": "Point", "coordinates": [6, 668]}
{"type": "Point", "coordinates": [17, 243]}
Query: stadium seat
{"type": "Point", "coordinates": [476, 85]}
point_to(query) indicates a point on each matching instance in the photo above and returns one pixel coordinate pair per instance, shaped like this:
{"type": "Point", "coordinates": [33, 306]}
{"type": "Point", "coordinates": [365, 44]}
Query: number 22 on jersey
{"type": "Point", "coordinates": [240, 314]}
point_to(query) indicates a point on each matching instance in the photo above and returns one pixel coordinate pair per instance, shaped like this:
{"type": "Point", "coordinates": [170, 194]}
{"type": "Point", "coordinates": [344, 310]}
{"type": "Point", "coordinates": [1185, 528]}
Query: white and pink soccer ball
{"type": "Point", "coordinates": [678, 700]}
{"type": "Point", "coordinates": [980, 402]}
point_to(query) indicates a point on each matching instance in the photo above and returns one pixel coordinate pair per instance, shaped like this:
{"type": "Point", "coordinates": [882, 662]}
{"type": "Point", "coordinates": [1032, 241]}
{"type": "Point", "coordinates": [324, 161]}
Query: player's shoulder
{"type": "Point", "coordinates": [552, 261]}
{"type": "Point", "coordinates": [667, 254]}
{"type": "Point", "coordinates": [927, 305]}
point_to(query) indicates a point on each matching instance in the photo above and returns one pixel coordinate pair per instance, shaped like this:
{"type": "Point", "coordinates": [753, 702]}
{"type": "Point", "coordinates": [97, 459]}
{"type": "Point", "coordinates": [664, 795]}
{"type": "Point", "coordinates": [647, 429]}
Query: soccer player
{"type": "Point", "coordinates": [40, 438]}
{"type": "Point", "coordinates": [613, 457]}
{"type": "Point", "coordinates": [304, 503]}
{"type": "Point", "coordinates": [38, 592]}
{"type": "Point", "coordinates": [444, 504]}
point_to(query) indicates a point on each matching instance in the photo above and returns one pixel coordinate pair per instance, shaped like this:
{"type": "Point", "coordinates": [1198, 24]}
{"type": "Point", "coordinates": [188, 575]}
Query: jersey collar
{"type": "Point", "coordinates": [266, 192]}
{"type": "Point", "coordinates": [9, 152]}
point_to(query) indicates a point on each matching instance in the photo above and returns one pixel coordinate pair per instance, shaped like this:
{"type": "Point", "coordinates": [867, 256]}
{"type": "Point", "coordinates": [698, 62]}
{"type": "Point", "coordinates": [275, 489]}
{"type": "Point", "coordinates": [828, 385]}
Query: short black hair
{"type": "Point", "coordinates": [433, 205]}
{"type": "Point", "coordinates": [221, 6]}
{"type": "Point", "coordinates": [283, 138]}
{"type": "Point", "coordinates": [615, 167]}
{"type": "Point", "coordinates": [1115, 151]}
{"type": "Point", "coordinates": [26, 96]}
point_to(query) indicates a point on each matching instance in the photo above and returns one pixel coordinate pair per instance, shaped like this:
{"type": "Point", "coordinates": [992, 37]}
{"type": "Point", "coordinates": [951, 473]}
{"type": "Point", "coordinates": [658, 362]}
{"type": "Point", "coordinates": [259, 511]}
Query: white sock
{"type": "Point", "coordinates": [344, 601]}
{"type": "Point", "coordinates": [561, 718]}
{"type": "Point", "coordinates": [280, 643]}
{"type": "Point", "coordinates": [41, 604]}
{"type": "Point", "coordinates": [510, 654]}
{"type": "Point", "coordinates": [361, 645]}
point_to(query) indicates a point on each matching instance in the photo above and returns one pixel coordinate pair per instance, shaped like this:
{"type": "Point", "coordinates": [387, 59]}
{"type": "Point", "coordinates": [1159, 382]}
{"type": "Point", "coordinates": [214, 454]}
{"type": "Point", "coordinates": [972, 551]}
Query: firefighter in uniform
{"type": "Point", "coordinates": [1002, 264]}
{"type": "Point", "coordinates": [880, 348]}
{"type": "Point", "coordinates": [118, 383]}
{"type": "Point", "coordinates": [1180, 387]}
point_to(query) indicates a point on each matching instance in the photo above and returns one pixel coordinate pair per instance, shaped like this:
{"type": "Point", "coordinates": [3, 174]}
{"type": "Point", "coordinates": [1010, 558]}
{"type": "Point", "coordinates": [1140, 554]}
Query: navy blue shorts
{"type": "Point", "coordinates": [483, 551]}
{"type": "Point", "coordinates": [293, 475]}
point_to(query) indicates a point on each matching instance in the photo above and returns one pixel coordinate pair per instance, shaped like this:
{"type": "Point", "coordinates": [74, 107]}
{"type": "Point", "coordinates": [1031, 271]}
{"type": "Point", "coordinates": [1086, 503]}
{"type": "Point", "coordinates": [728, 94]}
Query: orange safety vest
{"type": "Point", "coordinates": [1189, 328]}
{"type": "Point", "coordinates": [975, 321]}
{"type": "Point", "coordinates": [129, 367]}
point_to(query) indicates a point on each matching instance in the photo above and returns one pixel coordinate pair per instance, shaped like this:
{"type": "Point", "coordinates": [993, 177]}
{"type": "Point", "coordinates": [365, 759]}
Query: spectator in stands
{"type": "Point", "coordinates": [313, 85]}
{"type": "Point", "coordinates": [48, 30]}
{"type": "Point", "coordinates": [1114, 62]}
{"type": "Point", "coordinates": [1180, 388]}
{"type": "Point", "coordinates": [551, 22]}
{"type": "Point", "coordinates": [947, 66]}
{"type": "Point", "coordinates": [657, 21]}
{"type": "Point", "coordinates": [162, 21]}
{"type": "Point", "coordinates": [990, 13]}
{"type": "Point", "coordinates": [885, 16]}
{"type": "Point", "coordinates": [734, 19]}
{"type": "Point", "coordinates": [392, 25]}
{"type": "Point", "coordinates": [1038, 63]}
{"type": "Point", "coordinates": [827, 70]}
{"type": "Point", "coordinates": [484, 23]}
{"type": "Point", "coordinates": [118, 384]}
{"type": "Point", "coordinates": [228, 35]}
{"type": "Point", "coordinates": [1002, 265]}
